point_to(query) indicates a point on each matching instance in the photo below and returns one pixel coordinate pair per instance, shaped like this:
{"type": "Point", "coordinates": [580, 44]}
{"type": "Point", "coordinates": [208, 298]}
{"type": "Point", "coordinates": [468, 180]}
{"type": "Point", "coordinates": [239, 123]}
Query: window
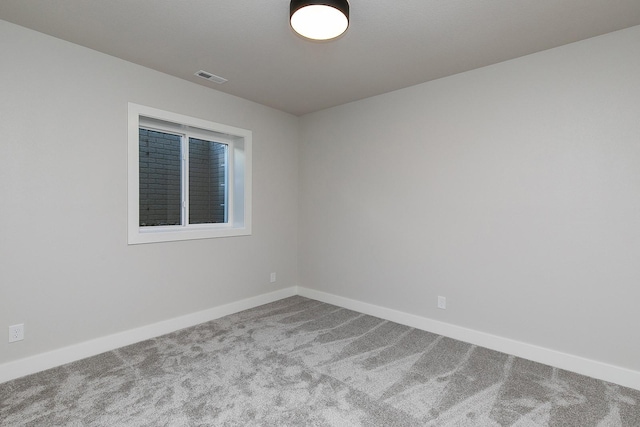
{"type": "Point", "coordinates": [171, 165]}
{"type": "Point", "coordinates": [188, 178]}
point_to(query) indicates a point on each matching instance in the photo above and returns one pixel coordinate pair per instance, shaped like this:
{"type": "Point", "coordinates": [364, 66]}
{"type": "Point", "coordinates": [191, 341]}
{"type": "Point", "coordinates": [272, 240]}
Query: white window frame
{"type": "Point", "coordinates": [238, 179]}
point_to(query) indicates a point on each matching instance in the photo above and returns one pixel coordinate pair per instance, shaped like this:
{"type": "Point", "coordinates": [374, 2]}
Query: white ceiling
{"type": "Point", "coordinates": [390, 44]}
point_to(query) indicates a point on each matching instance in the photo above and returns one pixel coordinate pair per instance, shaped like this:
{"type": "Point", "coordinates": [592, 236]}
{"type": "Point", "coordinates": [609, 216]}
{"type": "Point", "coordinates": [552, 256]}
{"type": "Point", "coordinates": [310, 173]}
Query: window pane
{"type": "Point", "coordinates": [160, 186]}
{"type": "Point", "coordinates": [207, 182]}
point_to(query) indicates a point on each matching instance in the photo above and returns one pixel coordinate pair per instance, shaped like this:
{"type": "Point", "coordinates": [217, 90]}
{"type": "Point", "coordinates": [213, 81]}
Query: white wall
{"type": "Point", "coordinates": [66, 270]}
{"type": "Point", "coordinates": [513, 190]}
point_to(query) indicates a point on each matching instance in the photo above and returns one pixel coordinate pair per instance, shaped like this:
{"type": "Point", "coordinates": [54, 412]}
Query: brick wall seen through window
{"type": "Point", "coordinates": [160, 180]}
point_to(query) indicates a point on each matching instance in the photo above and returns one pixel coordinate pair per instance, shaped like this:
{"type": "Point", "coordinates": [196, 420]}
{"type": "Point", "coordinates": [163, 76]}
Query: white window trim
{"type": "Point", "coordinates": [239, 181]}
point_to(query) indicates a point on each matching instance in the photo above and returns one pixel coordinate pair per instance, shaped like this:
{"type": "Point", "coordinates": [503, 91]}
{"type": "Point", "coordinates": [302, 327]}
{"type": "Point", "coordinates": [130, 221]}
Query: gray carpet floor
{"type": "Point", "coordinates": [300, 362]}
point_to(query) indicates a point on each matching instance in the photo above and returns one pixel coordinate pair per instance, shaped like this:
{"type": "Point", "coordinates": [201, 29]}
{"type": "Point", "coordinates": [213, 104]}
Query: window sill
{"type": "Point", "coordinates": [173, 234]}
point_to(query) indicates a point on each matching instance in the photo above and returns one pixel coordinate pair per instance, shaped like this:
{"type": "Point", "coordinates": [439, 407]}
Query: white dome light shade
{"type": "Point", "coordinates": [320, 20]}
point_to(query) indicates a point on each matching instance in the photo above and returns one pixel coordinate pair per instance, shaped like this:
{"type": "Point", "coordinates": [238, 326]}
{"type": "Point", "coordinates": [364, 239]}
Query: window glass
{"type": "Point", "coordinates": [160, 178]}
{"type": "Point", "coordinates": [207, 182]}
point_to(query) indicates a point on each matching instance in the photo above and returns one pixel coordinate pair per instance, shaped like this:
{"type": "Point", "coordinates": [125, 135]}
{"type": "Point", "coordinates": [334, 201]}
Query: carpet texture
{"type": "Point", "coordinates": [300, 362]}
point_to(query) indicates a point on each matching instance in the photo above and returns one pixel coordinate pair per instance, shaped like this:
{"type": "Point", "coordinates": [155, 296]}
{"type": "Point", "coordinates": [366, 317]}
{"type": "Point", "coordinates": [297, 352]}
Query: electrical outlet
{"type": "Point", "coordinates": [442, 303]}
{"type": "Point", "coordinates": [16, 332]}
{"type": "Point", "coordinates": [273, 278]}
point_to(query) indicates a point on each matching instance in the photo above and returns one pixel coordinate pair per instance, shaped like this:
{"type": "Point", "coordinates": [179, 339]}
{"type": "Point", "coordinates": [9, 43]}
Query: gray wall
{"type": "Point", "coordinates": [513, 190]}
{"type": "Point", "coordinates": [66, 270]}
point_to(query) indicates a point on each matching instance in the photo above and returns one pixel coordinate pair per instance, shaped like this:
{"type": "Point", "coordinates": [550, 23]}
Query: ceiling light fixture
{"type": "Point", "coordinates": [319, 20]}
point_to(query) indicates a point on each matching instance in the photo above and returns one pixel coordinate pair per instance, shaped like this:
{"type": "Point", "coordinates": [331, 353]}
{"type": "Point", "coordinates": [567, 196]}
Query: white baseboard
{"type": "Point", "coordinates": [51, 359]}
{"type": "Point", "coordinates": [577, 364]}
{"type": "Point", "coordinates": [569, 362]}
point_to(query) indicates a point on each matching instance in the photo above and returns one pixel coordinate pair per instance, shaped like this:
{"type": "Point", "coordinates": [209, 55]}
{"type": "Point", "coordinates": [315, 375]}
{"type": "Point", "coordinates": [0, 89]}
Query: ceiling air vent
{"type": "Point", "coordinates": [211, 77]}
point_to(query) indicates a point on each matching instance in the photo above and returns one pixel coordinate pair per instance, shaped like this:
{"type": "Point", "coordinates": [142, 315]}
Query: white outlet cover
{"type": "Point", "coordinates": [442, 303]}
{"type": "Point", "coordinates": [16, 332]}
{"type": "Point", "coordinates": [273, 277]}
